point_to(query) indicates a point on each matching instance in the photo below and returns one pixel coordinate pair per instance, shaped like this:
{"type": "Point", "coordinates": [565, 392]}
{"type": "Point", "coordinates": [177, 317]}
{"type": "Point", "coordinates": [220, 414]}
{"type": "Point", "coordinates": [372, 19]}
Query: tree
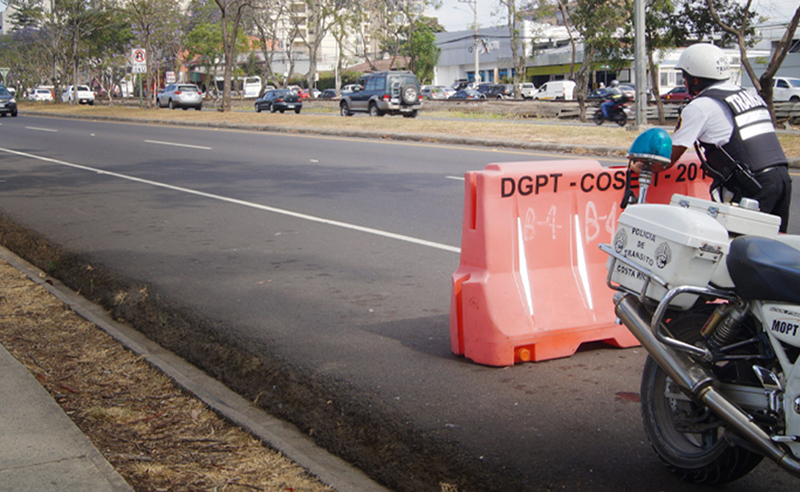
{"type": "Point", "coordinates": [28, 13]}
{"type": "Point", "coordinates": [420, 47]}
{"type": "Point", "coordinates": [267, 18]}
{"type": "Point", "coordinates": [740, 26]}
{"type": "Point", "coordinates": [599, 23]}
{"type": "Point", "coordinates": [665, 28]}
{"type": "Point", "coordinates": [231, 13]}
{"type": "Point", "coordinates": [107, 46]}
{"type": "Point", "coordinates": [82, 22]}
{"type": "Point", "coordinates": [156, 25]}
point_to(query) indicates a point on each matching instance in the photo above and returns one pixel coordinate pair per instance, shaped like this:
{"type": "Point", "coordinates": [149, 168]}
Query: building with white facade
{"type": "Point", "coordinates": [549, 57]}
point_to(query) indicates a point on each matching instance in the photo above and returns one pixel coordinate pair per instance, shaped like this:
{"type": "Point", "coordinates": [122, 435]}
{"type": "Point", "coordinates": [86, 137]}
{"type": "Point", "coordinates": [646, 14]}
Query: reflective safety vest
{"type": "Point", "coordinates": [753, 141]}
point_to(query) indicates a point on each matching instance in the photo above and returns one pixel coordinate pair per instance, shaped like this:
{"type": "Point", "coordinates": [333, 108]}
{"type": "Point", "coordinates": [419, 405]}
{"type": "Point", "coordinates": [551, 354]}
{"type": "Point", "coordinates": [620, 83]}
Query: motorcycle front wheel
{"type": "Point", "coordinates": [688, 438]}
{"type": "Point", "coordinates": [598, 117]}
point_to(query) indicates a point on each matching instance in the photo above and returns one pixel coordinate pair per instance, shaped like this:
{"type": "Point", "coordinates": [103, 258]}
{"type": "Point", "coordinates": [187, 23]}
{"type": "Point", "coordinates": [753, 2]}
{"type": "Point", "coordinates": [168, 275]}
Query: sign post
{"type": "Point", "coordinates": [139, 66]}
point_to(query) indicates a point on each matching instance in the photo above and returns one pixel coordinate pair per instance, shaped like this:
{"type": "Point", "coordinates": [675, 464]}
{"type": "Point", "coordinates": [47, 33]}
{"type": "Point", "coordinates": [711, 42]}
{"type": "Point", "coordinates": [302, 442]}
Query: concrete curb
{"type": "Point", "coordinates": [41, 448]}
{"type": "Point", "coordinates": [278, 434]}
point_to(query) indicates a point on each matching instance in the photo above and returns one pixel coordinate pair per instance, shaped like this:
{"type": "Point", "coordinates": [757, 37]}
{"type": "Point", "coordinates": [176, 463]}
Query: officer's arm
{"type": "Point", "coordinates": [677, 152]}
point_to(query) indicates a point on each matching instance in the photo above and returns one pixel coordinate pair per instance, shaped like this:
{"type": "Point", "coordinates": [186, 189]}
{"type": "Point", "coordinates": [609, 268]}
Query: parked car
{"type": "Point", "coordinates": [381, 93]}
{"type": "Point", "coordinates": [785, 89]}
{"type": "Point", "coordinates": [526, 90]}
{"type": "Point", "coordinates": [279, 100]}
{"type": "Point", "coordinates": [467, 95]}
{"type": "Point", "coordinates": [306, 93]}
{"type": "Point", "coordinates": [497, 91]}
{"type": "Point", "coordinates": [328, 94]}
{"type": "Point", "coordinates": [599, 94]}
{"type": "Point", "coordinates": [556, 90]}
{"type": "Point", "coordinates": [180, 96]}
{"type": "Point", "coordinates": [677, 94]}
{"type": "Point", "coordinates": [448, 91]}
{"type": "Point", "coordinates": [83, 95]}
{"type": "Point", "coordinates": [40, 95]}
{"type": "Point", "coordinates": [629, 90]}
{"type": "Point", "coordinates": [8, 105]}
{"type": "Point", "coordinates": [433, 92]}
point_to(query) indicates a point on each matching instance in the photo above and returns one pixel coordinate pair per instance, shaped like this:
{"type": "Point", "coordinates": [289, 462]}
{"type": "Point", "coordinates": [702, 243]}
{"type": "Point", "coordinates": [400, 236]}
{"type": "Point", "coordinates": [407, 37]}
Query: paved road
{"type": "Point", "coordinates": [329, 261]}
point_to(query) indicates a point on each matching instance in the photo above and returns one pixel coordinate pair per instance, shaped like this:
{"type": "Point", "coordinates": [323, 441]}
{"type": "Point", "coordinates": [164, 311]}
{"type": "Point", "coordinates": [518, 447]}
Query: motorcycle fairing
{"type": "Point", "coordinates": [783, 321]}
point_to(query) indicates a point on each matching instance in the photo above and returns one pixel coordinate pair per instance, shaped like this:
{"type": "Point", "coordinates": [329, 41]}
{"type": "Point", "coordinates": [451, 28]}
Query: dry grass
{"type": "Point", "coordinates": [492, 126]}
{"type": "Point", "coordinates": [156, 436]}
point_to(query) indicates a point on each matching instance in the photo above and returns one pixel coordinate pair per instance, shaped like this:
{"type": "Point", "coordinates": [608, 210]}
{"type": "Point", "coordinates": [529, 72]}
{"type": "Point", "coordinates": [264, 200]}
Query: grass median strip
{"type": "Point", "coordinates": [157, 436]}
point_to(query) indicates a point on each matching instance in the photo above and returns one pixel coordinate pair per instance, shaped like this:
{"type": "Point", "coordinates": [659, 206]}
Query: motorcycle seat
{"type": "Point", "coordinates": [764, 269]}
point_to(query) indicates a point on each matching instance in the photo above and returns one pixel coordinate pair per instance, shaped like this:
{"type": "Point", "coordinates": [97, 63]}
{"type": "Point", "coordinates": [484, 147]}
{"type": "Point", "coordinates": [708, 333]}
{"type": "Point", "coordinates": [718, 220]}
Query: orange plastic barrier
{"type": "Point", "coordinates": [531, 284]}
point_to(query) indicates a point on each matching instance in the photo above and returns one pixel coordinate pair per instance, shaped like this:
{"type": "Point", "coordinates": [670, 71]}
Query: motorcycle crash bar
{"type": "Point", "coordinates": [698, 381]}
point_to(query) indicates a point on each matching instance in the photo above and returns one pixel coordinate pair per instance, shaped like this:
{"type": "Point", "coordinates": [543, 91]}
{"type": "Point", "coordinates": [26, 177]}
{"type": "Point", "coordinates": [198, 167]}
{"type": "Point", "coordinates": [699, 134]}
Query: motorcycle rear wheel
{"type": "Point", "coordinates": [620, 118]}
{"type": "Point", "coordinates": [688, 438]}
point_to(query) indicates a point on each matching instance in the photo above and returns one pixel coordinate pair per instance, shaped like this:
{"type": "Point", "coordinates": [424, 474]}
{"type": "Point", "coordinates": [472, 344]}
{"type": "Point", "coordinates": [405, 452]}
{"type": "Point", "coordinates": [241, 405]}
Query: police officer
{"type": "Point", "coordinates": [734, 129]}
{"type": "Point", "coordinates": [613, 96]}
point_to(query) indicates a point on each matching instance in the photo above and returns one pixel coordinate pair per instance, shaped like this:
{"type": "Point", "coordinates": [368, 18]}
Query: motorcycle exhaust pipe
{"type": "Point", "coordinates": [698, 381]}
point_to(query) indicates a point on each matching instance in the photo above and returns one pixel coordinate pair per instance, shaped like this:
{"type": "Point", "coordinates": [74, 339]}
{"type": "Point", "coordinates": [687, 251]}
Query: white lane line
{"type": "Point", "coordinates": [457, 178]}
{"type": "Point", "coordinates": [173, 144]}
{"type": "Point", "coordinates": [289, 213]}
{"type": "Point", "coordinates": [39, 129]}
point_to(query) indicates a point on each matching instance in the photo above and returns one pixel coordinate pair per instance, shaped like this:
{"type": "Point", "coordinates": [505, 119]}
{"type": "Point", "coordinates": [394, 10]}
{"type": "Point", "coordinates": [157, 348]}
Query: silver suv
{"type": "Point", "coordinates": [381, 93]}
{"type": "Point", "coordinates": [180, 96]}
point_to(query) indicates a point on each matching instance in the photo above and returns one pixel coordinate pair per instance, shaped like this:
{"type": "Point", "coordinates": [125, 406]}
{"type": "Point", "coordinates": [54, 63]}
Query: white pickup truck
{"type": "Point", "coordinates": [83, 95]}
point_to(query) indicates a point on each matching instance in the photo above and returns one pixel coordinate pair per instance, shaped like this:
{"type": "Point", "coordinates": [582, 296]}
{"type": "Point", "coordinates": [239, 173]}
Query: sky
{"type": "Point", "coordinates": [457, 15]}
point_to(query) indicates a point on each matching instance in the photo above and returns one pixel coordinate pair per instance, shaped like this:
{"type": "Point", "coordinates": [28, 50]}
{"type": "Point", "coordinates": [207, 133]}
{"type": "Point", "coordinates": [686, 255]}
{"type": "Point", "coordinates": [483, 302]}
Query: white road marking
{"type": "Point", "coordinates": [173, 144]}
{"type": "Point", "coordinates": [457, 178]}
{"type": "Point", "coordinates": [289, 213]}
{"type": "Point", "coordinates": [39, 129]}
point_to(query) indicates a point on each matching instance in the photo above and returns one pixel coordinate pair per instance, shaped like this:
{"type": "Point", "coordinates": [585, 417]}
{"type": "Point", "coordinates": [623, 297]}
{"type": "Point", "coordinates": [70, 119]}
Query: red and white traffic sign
{"type": "Point", "coordinates": [138, 60]}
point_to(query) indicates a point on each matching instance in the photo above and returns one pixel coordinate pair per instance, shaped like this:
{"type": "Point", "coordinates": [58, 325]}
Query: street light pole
{"type": "Point", "coordinates": [473, 4]}
{"type": "Point", "coordinates": [640, 55]}
{"type": "Point", "coordinates": [477, 43]}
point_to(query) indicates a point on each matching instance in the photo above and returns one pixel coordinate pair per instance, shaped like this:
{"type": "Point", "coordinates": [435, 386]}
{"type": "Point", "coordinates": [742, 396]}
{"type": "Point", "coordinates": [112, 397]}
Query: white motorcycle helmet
{"type": "Point", "coordinates": [705, 61]}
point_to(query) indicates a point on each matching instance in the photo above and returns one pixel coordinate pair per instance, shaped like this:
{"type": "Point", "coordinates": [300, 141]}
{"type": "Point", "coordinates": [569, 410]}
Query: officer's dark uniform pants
{"type": "Point", "coordinates": [775, 196]}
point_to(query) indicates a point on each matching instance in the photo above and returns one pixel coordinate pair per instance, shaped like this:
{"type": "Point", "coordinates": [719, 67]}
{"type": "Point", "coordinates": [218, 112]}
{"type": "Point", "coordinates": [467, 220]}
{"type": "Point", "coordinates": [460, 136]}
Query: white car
{"type": "Point", "coordinates": [785, 89]}
{"type": "Point", "coordinates": [527, 90]}
{"type": "Point", "coordinates": [83, 96]}
{"type": "Point", "coordinates": [40, 95]}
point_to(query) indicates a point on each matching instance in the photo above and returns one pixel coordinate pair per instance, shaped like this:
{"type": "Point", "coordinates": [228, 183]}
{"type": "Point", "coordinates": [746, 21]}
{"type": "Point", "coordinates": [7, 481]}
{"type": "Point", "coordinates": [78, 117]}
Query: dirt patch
{"type": "Point", "coordinates": [157, 436]}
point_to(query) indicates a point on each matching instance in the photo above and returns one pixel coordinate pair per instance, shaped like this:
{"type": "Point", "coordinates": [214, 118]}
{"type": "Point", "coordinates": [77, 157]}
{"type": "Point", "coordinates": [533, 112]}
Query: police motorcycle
{"type": "Point", "coordinates": [712, 293]}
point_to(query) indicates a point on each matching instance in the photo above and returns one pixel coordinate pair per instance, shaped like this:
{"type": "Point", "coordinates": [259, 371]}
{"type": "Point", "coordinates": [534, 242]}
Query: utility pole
{"type": "Point", "coordinates": [640, 55]}
{"type": "Point", "coordinates": [477, 43]}
{"type": "Point", "coordinates": [473, 4]}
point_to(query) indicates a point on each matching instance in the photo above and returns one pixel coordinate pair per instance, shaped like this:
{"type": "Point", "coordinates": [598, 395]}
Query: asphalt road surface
{"type": "Point", "coordinates": [332, 258]}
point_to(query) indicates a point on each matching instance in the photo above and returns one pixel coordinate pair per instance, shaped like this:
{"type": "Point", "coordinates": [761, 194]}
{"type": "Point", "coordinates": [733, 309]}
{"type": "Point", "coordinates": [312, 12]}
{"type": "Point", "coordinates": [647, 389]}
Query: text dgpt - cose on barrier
{"type": "Point", "coordinates": [531, 284]}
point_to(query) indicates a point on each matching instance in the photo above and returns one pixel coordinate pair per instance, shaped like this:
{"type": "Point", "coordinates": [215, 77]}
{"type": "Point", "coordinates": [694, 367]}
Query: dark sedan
{"type": "Point", "coordinates": [8, 105]}
{"type": "Point", "coordinates": [279, 100]}
{"type": "Point", "coordinates": [598, 94]}
{"type": "Point", "coordinates": [466, 95]}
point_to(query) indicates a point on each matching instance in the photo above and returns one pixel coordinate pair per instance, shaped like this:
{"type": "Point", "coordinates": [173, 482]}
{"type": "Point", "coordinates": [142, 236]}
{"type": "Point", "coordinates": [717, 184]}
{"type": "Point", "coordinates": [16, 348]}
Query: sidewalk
{"type": "Point", "coordinates": [40, 447]}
